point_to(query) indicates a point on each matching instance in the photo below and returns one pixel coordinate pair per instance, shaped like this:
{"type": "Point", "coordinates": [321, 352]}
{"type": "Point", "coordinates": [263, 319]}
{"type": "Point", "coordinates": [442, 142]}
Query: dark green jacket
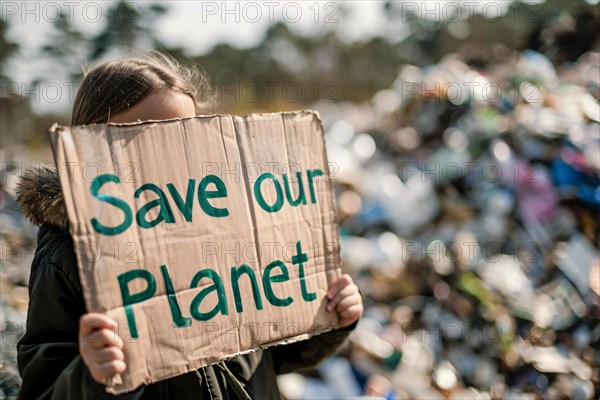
{"type": "Point", "coordinates": [48, 354]}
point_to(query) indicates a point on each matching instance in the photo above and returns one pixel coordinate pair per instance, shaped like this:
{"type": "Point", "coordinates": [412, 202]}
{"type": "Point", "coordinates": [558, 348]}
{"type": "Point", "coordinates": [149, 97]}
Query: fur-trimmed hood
{"type": "Point", "coordinates": [40, 198]}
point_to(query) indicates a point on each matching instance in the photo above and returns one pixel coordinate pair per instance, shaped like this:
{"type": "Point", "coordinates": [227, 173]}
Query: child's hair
{"type": "Point", "coordinates": [115, 86]}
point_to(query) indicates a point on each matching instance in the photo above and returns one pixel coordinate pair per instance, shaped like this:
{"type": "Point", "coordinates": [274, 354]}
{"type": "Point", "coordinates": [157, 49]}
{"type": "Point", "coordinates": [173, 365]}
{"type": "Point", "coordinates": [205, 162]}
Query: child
{"type": "Point", "coordinates": [57, 360]}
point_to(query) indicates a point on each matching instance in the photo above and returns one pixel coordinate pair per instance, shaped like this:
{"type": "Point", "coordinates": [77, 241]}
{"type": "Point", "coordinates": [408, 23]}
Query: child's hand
{"type": "Point", "coordinates": [345, 298]}
{"type": "Point", "coordinates": [100, 347]}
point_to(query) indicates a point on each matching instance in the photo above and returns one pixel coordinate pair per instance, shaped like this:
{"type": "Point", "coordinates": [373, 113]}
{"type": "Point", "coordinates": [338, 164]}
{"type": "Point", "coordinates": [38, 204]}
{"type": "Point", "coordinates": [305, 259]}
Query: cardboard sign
{"type": "Point", "coordinates": [204, 238]}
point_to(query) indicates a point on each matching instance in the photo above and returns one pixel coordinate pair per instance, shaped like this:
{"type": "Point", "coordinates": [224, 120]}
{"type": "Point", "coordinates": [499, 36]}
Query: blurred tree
{"type": "Point", "coordinates": [63, 53]}
{"type": "Point", "coordinates": [564, 36]}
{"type": "Point", "coordinates": [482, 32]}
{"type": "Point", "coordinates": [12, 105]}
{"type": "Point", "coordinates": [65, 47]}
{"type": "Point", "coordinates": [7, 50]}
{"type": "Point", "coordinates": [290, 70]}
{"type": "Point", "coordinates": [128, 25]}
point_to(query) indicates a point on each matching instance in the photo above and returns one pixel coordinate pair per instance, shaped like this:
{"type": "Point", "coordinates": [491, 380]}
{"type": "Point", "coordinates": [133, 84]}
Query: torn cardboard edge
{"type": "Point", "coordinates": [56, 127]}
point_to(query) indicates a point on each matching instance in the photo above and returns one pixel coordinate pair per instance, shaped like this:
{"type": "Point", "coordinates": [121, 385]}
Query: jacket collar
{"type": "Point", "coordinates": [40, 198]}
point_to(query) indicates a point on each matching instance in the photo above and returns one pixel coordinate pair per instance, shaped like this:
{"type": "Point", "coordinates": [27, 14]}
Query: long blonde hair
{"type": "Point", "coordinates": [117, 85]}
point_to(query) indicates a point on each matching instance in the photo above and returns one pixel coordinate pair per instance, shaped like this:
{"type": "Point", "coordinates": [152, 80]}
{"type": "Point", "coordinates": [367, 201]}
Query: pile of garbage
{"type": "Point", "coordinates": [17, 247]}
{"type": "Point", "coordinates": [469, 203]}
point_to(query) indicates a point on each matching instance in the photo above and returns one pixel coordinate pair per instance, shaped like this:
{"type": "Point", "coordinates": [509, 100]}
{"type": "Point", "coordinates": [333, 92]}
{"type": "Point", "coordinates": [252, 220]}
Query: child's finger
{"type": "Point", "coordinates": [96, 319]}
{"type": "Point", "coordinates": [88, 323]}
{"type": "Point", "coordinates": [351, 312]}
{"type": "Point", "coordinates": [350, 315]}
{"type": "Point", "coordinates": [105, 338]}
{"type": "Point", "coordinates": [107, 354]}
{"type": "Point", "coordinates": [110, 368]}
{"type": "Point", "coordinates": [342, 282]}
{"type": "Point", "coordinates": [345, 303]}
{"type": "Point", "coordinates": [343, 293]}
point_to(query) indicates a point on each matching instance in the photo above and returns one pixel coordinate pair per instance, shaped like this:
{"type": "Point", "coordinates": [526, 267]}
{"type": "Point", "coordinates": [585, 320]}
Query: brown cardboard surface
{"type": "Point", "coordinates": [102, 166]}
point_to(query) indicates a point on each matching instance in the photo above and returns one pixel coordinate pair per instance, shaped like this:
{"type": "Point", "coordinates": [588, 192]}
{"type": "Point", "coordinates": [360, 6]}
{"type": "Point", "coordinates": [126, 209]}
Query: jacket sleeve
{"type": "Point", "coordinates": [308, 353]}
{"type": "Point", "coordinates": [48, 353]}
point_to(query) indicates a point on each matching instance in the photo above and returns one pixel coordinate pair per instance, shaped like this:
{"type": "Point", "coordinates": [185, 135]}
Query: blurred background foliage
{"type": "Point", "coordinates": [326, 67]}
